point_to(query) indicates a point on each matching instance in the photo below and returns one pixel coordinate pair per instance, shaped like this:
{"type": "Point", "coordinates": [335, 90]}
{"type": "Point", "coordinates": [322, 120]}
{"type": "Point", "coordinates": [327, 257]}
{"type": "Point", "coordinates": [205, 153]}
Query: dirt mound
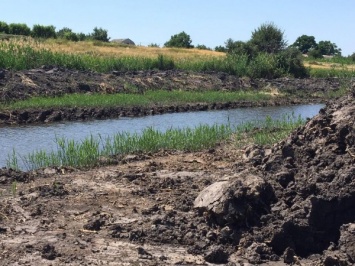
{"type": "Point", "coordinates": [298, 200]}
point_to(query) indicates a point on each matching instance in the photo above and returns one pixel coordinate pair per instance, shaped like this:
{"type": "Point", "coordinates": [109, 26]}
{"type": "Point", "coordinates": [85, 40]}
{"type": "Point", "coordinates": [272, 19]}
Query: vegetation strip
{"type": "Point", "coordinates": [149, 98]}
{"type": "Point", "coordinates": [91, 151]}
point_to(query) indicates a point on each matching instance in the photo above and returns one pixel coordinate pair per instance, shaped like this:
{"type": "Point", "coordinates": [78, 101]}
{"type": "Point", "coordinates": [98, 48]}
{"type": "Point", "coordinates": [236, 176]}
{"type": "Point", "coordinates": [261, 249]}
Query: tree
{"type": "Point", "coordinates": [181, 40]}
{"type": "Point", "coordinates": [221, 49]}
{"type": "Point", "coordinates": [304, 43]}
{"type": "Point", "coordinates": [268, 38]}
{"type": "Point", "coordinates": [328, 48]}
{"type": "Point", "coordinates": [39, 31]}
{"type": "Point", "coordinates": [100, 34]}
{"type": "Point", "coordinates": [202, 47]}
{"type": "Point", "coordinates": [4, 28]}
{"type": "Point", "coordinates": [19, 29]}
{"type": "Point", "coordinates": [68, 34]}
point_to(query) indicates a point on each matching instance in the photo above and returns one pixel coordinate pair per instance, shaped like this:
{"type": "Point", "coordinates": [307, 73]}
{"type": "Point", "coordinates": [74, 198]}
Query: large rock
{"type": "Point", "coordinates": [240, 200]}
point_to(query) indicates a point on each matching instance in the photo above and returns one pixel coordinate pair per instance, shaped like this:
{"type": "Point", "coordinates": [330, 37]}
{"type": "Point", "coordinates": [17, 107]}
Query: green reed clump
{"type": "Point", "coordinates": [149, 98]}
{"type": "Point", "coordinates": [268, 131]}
{"type": "Point", "coordinates": [87, 153]}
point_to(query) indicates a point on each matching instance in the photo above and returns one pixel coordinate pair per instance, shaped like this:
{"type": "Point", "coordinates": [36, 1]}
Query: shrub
{"type": "Point", "coordinates": [164, 63]}
{"type": "Point", "coordinates": [202, 47]}
{"type": "Point", "coordinates": [352, 57]}
{"type": "Point", "coordinates": [291, 62]}
{"type": "Point", "coordinates": [100, 34]}
{"type": "Point", "coordinates": [220, 48]}
{"type": "Point", "coordinates": [153, 45]}
{"type": "Point", "coordinates": [19, 29]}
{"type": "Point", "coordinates": [39, 31]}
{"type": "Point", "coordinates": [181, 40]}
{"type": "Point", "coordinates": [268, 38]}
{"type": "Point", "coordinates": [264, 65]}
{"type": "Point", "coordinates": [315, 53]}
{"type": "Point", "coordinates": [4, 28]}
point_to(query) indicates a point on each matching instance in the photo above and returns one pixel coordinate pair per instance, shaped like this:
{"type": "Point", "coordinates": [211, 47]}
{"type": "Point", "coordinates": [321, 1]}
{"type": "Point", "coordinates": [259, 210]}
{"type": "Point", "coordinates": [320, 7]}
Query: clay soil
{"type": "Point", "coordinates": [292, 203]}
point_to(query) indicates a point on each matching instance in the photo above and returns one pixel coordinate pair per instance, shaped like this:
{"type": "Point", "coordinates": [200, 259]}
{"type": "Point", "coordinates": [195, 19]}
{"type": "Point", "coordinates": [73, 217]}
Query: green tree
{"type": "Point", "coordinates": [220, 48]}
{"type": "Point", "coordinates": [19, 29]}
{"type": "Point", "coordinates": [4, 28]}
{"type": "Point", "coordinates": [39, 31]}
{"type": "Point", "coordinates": [304, 43]}
{"type": "Point", "coordinates": [68, 34]}
{"type": "Point", "coordinates": [352, 57]}
{"type": "Point", "coordinates": [181, 40]}
{"type": "Point", "coordinates": [328, 48]}
{"type": "Point", "coordinates": [100, 34]}
{"type": "Point", "coordinates": [202, 47]}
{"type": "Point", "coordinates": [268, 38]}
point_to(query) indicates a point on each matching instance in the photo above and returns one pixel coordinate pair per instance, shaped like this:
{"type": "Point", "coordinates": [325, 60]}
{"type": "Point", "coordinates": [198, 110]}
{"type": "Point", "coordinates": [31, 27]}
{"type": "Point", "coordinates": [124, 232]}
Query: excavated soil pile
{"type": "Point", "coordinates": [298, 199]}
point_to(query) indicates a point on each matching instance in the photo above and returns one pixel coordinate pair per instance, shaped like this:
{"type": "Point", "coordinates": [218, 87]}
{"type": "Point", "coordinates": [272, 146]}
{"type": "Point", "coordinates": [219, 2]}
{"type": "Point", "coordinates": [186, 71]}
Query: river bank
{"type": "Point", "coordinates": [170, 207]}
{"type": "Point", "coordinates": [55, 82]}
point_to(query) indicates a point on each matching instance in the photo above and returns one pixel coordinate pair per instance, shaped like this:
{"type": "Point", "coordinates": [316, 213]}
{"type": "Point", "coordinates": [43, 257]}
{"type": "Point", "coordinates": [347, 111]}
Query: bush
{"type": "Point", "coordinates": [4, 28]}
{"type": "Point", "coordinates": [153, 45]}
{"type": "Point", "coordinates": [264, 65]}
{"type": "Point", "coordinates": [352, 57]}
{"type": "Point", "coordinates": [100, 34]}
{"type": "Point", "coordinates": [39, 31]}
{"type": "Point", "coordinates": [181, 40]}
{"type": "Point", "coordinates": [315, 53]}
{"type": "Point", "coordinates": [202, 47]}
{"type": "Point", "coordinates": [164, 63]}
{"type": "Point", "coordinates": [291, 62]}
{"type": "Point", "coordinates": [220, 48]}
{"type": "Point", "coordinates": [240, 48]}
{"type": "Point", "coordinates": [268, 38]}
{"type": "Point", "coordinates": [19, 29]}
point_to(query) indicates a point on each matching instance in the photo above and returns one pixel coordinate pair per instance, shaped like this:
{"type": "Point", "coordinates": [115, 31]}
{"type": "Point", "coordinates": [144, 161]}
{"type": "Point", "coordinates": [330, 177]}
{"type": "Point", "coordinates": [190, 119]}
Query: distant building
{"type": "Point", "coordinates": [124, 41]}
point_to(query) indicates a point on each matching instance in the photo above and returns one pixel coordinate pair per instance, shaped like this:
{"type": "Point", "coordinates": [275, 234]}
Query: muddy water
{"type": "Point", "coordinates": [26, 139]}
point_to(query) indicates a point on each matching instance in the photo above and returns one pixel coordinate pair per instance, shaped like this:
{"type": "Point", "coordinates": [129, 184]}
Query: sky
{"type": "Point", "coordinates": [207, 22]}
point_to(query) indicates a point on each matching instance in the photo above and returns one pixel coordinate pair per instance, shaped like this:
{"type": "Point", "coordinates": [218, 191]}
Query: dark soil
{"type": "Point", "coordinates": [52, 81]}
{"type": "Point", "coordinates": [289, 204]}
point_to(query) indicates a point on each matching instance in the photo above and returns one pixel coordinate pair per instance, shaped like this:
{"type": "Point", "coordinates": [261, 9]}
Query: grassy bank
{"type": "Point", "coordinates": [149, 98]}
{"type": "Point", "coordinates": [91, 151]}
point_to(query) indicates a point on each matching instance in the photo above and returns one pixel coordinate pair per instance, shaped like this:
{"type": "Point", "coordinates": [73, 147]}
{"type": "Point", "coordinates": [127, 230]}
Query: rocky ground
{"type": "Point", "coordinates": [288, 204]}
{"type": "Point", "coordinates": [52, 81]}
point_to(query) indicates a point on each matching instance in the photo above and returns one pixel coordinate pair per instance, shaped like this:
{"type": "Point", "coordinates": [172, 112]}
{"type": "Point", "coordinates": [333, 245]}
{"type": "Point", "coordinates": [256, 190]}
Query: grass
{"type": "Point", "coordinates": [268, 131]}
{"type": "Point", "coordinates": [90, 151]}
{"type": "Point", "coordinates": [149, 98]}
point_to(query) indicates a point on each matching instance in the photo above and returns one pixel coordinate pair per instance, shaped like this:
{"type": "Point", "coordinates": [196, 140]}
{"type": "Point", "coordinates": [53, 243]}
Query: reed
{"type": "Point", "coordinates": [87, 153]}
{"type": "Point", "coordinates": [90, 151]}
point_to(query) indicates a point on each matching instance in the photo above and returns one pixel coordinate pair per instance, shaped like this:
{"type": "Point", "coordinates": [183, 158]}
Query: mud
{"type": "Point", "coordinates": [52, 81]}
{"type": "Point", "coordinates": [287, 204]}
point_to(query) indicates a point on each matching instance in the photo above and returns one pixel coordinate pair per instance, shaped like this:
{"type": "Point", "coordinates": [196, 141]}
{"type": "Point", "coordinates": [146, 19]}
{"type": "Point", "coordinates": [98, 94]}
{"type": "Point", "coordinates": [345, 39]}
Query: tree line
{"type": "Point", "coordinates": [40, 31]}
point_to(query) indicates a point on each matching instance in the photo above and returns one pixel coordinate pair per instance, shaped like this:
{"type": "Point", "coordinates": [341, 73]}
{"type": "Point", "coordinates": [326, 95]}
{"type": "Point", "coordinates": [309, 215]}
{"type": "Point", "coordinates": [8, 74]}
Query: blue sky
{"type": "Point", "coordinates": [207, 22]}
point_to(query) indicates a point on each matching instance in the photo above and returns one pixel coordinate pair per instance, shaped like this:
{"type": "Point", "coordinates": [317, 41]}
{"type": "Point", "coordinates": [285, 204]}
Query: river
{"type": "Point", "coordinates": [26, 139]}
